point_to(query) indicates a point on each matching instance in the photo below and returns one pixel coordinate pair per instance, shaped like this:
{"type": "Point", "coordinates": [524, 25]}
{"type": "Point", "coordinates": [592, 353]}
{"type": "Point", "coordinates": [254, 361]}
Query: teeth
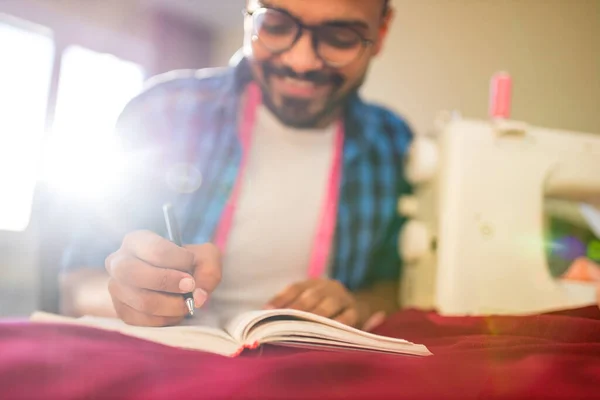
{"type": "Point", "coordinates": [299, 83]}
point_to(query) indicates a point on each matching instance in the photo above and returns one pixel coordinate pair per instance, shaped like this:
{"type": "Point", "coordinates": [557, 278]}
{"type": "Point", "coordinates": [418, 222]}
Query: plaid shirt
{"type": "Point", "coordinates": [193, 118]}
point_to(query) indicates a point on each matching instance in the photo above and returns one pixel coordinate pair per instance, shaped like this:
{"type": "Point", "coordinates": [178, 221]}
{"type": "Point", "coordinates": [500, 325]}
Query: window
{"type": "Point", "coordinates": [93, 90]}
{"type": "Point", "coordinates": [27, 54]}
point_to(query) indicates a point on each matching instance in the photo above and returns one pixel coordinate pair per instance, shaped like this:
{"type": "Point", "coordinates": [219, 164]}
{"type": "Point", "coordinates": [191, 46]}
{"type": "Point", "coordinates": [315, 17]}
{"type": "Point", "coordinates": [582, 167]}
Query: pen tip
{"type": "Point", "coordinates": [190, 306]}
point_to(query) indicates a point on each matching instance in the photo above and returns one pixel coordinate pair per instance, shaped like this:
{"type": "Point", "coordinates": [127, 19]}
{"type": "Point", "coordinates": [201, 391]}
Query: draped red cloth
{"type": "Point", "coordinates": [547, 356]}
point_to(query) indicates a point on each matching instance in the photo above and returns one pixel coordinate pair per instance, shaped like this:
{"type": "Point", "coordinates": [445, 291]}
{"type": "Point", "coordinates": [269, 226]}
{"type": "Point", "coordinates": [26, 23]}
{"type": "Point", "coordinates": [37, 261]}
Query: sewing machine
{"type": "Point", "coordinates": [474, 243]}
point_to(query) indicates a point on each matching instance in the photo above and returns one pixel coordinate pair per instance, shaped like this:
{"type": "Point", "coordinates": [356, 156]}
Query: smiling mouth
{"type": "Point", "coordinates": [300, 87]}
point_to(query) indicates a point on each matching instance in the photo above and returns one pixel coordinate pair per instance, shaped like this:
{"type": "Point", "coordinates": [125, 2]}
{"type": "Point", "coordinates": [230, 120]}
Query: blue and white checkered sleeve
{"type": "Point", "coordinates": [387, 264]}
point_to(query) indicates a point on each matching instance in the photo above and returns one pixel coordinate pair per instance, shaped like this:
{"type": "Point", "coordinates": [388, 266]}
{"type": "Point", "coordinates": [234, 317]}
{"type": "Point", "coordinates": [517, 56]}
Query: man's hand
{"type": "Point", "coordinates": [149, 275]}
{"type": "Point", "coordinates": [330, 299]}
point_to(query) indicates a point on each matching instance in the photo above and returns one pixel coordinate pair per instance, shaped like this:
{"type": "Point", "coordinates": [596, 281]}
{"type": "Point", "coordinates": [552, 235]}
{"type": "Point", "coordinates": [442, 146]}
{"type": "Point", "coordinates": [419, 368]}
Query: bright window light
{"type": "Point", "coordinates": [26, 64]}
{"type": "Point", "coordinates": [83, 157]}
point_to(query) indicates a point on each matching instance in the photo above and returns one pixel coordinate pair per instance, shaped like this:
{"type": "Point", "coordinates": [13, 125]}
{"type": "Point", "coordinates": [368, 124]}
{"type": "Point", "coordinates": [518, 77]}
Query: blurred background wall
{"type": "Point", "coordinates": [81, 60]}
{"type": "Point", "coordinates": [440, 55]}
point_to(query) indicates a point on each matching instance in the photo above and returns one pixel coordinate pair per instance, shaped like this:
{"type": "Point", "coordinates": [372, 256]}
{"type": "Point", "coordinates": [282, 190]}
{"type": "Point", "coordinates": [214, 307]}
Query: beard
{"type": "Point", "coordinates": [302, 113]}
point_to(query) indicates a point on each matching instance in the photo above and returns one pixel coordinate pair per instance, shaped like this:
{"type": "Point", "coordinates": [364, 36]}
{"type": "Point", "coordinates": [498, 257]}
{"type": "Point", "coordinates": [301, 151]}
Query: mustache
{"type": "Point", "coordinates": [318, 77]}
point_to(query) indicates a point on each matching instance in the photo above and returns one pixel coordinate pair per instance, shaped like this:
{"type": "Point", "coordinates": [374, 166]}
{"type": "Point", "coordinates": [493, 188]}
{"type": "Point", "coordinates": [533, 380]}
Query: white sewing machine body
{"type": "Point", "coordinates": [474, 243]}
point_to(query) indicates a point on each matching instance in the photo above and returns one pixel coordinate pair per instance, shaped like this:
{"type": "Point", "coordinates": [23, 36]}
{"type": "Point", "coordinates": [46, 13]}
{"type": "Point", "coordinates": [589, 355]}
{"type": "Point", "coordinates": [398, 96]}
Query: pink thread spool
{"type": "Point", "coordinates": [500, 96]}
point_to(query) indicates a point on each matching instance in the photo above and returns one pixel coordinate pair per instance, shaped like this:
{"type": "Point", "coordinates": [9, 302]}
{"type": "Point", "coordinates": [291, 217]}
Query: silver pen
{"type": "Point", "coordinates": [175, 237]}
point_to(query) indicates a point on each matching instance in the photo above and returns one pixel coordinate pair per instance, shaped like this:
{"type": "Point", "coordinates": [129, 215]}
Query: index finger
{"type": "Point", "coordinates": [158, 251]}
{"type": "Point", "coordinates": [134, 272]}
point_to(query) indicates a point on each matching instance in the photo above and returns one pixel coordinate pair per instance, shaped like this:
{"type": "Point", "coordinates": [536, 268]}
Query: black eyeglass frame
{"type": "Point", "coordinates": [365, 43]}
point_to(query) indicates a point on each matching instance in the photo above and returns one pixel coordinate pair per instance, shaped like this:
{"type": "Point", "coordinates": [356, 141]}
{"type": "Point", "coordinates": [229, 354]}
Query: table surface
{"type": "Point", "coordinates": [545, 356]}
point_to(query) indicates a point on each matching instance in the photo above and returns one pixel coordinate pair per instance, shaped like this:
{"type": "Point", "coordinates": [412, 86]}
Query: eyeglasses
{"type": "Point", "coordinates": [336, 44]}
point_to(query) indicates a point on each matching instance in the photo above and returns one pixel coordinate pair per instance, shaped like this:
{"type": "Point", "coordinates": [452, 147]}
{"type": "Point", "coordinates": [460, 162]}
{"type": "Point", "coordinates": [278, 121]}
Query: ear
{"type": "Point", "coordinates": [383, 30]}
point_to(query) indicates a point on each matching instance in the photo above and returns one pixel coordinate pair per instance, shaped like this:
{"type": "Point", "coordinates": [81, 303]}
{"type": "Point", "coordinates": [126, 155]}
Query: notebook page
{"type": "Point", "coordinates": [184, 337]}
{"type": "Point", "coordinates": [417, 350]}
{"type": "Point", "coordinates": [240, 327]}
{"type": "Point", "coordinates": [292, 330]}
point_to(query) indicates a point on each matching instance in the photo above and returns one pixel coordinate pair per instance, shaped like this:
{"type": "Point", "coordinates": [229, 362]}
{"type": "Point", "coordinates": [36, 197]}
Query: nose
{"type": "Point", "coordinates": [302, 57]}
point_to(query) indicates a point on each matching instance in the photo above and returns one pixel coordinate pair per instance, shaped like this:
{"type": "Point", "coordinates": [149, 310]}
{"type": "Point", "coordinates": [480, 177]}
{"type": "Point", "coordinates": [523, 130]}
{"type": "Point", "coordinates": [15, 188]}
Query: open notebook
{"type": "Point", "coordinates": [252, 329]}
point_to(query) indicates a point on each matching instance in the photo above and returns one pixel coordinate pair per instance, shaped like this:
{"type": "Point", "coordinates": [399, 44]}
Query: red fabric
{"type": "Point", "coordinates": [546, 357]}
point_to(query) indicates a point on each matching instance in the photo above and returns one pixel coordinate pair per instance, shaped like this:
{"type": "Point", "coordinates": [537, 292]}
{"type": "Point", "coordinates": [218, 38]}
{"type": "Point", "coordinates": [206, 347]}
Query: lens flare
{"type": "Point", "coordinates": [184, 178]}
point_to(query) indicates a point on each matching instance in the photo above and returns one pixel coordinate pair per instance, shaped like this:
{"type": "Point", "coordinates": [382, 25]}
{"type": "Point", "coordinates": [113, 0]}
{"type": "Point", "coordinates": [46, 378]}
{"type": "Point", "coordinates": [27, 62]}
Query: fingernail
{"type": "Point", "coordinates": [200, 297]}
{"type": "Point", "coordinates": [186, 285]}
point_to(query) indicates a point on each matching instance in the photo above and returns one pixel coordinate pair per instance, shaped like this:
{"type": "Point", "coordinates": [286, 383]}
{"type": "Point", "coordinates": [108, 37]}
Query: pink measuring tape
{"type": "Point", "coordinates": [324, 239]}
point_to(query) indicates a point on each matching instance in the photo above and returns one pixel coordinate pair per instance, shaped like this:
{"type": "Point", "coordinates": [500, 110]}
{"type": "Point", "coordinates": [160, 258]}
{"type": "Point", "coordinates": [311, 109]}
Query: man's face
{"type": "Point", "coordinates": [306, 75]}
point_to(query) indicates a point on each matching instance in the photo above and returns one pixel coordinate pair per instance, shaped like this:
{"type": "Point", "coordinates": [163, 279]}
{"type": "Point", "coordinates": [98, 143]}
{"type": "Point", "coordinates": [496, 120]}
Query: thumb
{"type": "Point", "coordinates": [207, 271]}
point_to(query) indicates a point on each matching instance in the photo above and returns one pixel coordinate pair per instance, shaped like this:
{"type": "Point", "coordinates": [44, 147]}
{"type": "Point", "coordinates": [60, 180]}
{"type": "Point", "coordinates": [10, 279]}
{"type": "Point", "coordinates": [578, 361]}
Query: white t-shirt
{"type": "Point", "coordinates": [276, 220]}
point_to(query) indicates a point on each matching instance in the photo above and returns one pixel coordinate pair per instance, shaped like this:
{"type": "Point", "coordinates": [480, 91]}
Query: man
{"type": "Point", "coordinates": [299, 182]}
